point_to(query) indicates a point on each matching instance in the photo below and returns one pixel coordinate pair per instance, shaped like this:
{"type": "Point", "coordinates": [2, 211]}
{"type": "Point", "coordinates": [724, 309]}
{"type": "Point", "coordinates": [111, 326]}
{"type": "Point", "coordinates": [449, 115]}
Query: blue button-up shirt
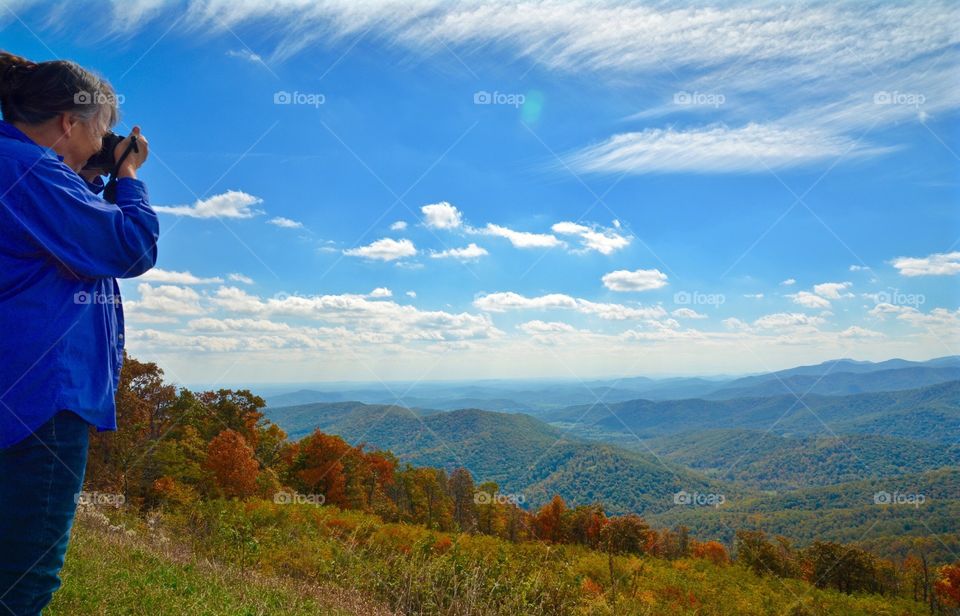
{"type": "Point", "coordinates": [62, 247]}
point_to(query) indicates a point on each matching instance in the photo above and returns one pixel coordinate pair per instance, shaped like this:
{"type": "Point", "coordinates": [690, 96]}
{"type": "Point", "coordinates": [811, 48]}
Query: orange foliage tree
{"type": "Point", "coordinates": [231, 461]}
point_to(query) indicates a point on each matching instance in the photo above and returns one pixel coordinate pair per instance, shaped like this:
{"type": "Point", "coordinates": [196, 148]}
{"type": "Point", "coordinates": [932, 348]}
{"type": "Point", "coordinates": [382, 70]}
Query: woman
{"type": "Point", "coordinates": [61, 322]}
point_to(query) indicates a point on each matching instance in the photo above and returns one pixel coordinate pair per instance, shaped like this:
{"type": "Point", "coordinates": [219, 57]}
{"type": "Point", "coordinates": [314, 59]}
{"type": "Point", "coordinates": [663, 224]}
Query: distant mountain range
{"type": "Point", "coordinates": [766, 461]}
{"type": "Point", "coordinates": [523, 455]}
{"type": "Point", "coordinates": [654, 449]}
{"type": "Point", "coordinates": [836, 377]}
{"type": "Point", "coordinates": [929, 413]}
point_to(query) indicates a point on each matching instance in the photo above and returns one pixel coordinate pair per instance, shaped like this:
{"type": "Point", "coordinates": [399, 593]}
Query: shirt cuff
{"type": "Point", "coordinates": [131, 189]}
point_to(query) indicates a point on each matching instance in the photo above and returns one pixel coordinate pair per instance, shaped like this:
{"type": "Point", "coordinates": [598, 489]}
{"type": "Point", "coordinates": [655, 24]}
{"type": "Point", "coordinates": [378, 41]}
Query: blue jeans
{"type": "Point", "coordinates": [40, 478]}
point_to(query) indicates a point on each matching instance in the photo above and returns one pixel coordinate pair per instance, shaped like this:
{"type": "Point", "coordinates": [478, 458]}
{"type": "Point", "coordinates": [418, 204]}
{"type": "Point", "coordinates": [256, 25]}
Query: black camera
{"type": "Point", "coordinates": [104, 160]}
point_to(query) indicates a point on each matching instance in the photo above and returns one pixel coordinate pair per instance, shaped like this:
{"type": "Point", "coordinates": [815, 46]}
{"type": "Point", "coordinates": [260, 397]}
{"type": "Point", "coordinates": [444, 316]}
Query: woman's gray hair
{"type": "Point", "coordinates": [34, 92]}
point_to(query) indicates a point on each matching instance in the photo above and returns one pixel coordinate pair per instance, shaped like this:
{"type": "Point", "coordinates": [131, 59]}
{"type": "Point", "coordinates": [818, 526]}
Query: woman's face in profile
{"type": "Point", "coordinates": [84, 139]}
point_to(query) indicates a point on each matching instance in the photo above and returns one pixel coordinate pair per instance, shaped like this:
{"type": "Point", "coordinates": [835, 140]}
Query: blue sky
{"type": "Point", "coordinates": [364, 191]}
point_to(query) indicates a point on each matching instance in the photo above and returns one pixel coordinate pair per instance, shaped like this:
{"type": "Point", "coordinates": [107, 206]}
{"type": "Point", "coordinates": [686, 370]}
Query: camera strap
{"type": "Point", "coordinates": [110, 190]}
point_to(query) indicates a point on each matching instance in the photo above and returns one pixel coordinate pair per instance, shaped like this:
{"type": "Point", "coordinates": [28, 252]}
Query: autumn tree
{"type": "Point", "coordinates": [463, 493]}
{"type": "Point", "coordinates": [626, 534]}
{"type": "Point", "coordinates": [315, 465]}
{"type": "Point", "coordinates": [549, 521]}
{"type": "Point", "coordinates": [120, 460]}
{"type": "Point", "coordinates": [764, 557]}
{"type": "Point", "coordinates": [713, 551]}
{"type": "Point", "coordinates": [846, 568]}
{"type": "Point", "coordinates": [947, 585]}
{"type": "Point", "coordinates": [231, 461]}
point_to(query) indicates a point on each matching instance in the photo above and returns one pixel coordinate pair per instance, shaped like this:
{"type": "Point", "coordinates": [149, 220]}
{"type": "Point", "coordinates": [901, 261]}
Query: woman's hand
{"type": "Point", "coordinates": [135, 158]}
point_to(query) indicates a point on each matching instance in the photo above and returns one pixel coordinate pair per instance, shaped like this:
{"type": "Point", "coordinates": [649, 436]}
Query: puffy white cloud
{"type": "Point", "coordinates": [381, 292]}
{"type": "Point", "coordinates": [809, 300]}
{"type": "Point", "coordinates": [167, 299]}
{"type": "Point", "coordinates": [237, 325]}
{"type": "Point", "coordinates": [470, 253]}
{"type": "Point", "coordinates": [937, 264]}
{"type": "Point", "coordinates": [386, 249]}
{"type": "Point", "coordinates": [364, 314]}
{"type": "Point", "coordinates": [604, 241]}
{"type": "Point", "coordinates": [542, 327]}
{"type": "Point", "coordinates": [833, 290]}
{"type": "Point", "coordinates": [688, 313]}
{"type": "Point", "coordinates": [855, 331]}
{"type": "Point", "coordinates": [785, 320]}
{"type": "Point", "coordinates": [441, 215]}
{"type": "Point", "coordinates": [231, 204]}
{"type": "Point", "coordinates": [506, 301]}
{"type": "Point", "coordinates": [173, 277]}
{"type": "Point", "coordinates": [399, 225]}
{"type": "Point", "coordinates": [412, 294]}
{"type": "Point", "coordinates": [635, 280]}
{"type": "Point", "coordinates": [285, 223]}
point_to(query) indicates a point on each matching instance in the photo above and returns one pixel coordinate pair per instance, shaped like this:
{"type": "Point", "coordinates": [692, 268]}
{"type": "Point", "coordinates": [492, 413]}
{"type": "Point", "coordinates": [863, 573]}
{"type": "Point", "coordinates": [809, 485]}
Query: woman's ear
{"type": "Point", "coordinates": [67, 122]}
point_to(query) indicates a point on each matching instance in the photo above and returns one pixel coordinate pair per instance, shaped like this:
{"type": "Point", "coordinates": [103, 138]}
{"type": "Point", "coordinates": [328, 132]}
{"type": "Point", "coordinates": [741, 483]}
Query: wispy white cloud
{"type": "Point", "coordinates": [236, 277]}
{"type": "Point", "coordinates": [520, 239]}
{"type": "Point", "coordinates": [717, 148]}
{"type": "Point", "coordinates": [246, 54]}
{"type": "Point", "coordinates": [506, 301]}
{"type": "Point", "coordinates": [285, 223]}
{"type": "Point", "coordinates": [399, 225]}
{"type": "Point", "coordinates": [171, 277]}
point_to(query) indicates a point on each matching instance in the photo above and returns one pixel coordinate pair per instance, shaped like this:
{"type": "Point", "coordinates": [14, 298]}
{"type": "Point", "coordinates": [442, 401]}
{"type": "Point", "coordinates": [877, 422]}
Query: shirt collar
{"type": "Point", "coordinates": [12, 132]}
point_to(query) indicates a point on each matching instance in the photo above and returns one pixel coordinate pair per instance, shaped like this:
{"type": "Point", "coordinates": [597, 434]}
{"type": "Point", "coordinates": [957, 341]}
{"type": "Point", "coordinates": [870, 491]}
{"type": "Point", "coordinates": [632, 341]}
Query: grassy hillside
{"type": "Point", "coordinates": [523, 455]}
{"type": "Point", "coordinates": [304, 559]}
{"type": "Point", "coordinates": [109, 572]}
